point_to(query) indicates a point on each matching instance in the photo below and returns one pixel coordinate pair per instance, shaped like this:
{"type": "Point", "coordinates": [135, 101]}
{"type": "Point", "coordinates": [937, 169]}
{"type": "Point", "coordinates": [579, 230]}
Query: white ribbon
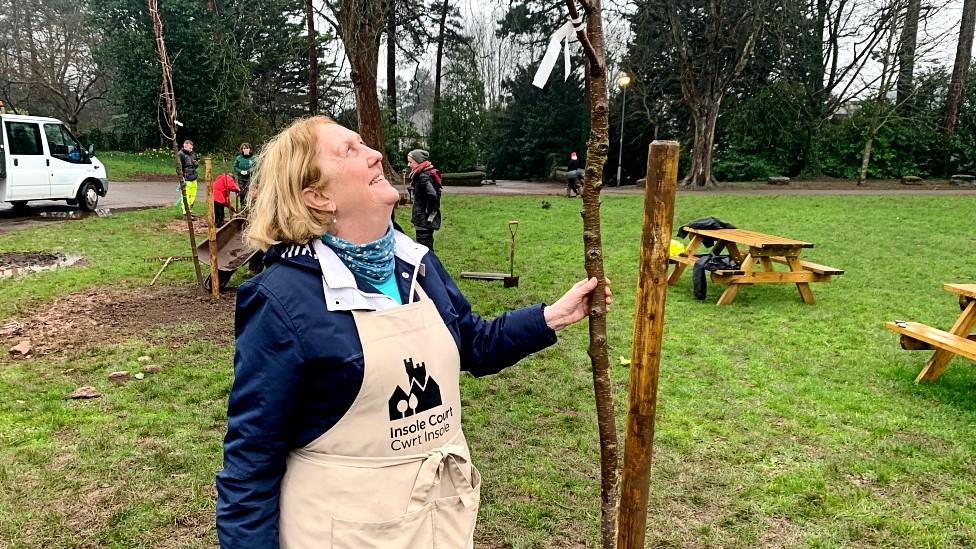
{"type": "Point", "coordinates": [552, 53]}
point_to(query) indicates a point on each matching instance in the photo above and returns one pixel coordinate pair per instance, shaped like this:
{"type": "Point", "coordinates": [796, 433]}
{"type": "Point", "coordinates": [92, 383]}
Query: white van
{"type": "Point", "coordinates": [41, 160]}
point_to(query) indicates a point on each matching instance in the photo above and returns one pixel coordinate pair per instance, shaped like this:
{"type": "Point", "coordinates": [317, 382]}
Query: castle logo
{"type": "Point", "coordinates": [423, 393]}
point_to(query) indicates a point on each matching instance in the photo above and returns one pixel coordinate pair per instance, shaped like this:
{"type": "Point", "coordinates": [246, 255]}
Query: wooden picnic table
{"type": "Point", "coordinates": [959, 340]}
{"type": "Point", "coordinates": [760, 251]}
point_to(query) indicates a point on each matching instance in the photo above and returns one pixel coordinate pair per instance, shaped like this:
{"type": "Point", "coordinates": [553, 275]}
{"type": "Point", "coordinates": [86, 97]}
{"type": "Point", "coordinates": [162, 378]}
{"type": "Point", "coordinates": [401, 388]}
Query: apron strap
{"type": "Point", "coordinates": [430, 474]}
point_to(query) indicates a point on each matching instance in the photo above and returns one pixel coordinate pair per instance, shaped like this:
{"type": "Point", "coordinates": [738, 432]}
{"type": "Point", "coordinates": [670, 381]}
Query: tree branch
{"type": "Point", "coordinates": [596, 67]}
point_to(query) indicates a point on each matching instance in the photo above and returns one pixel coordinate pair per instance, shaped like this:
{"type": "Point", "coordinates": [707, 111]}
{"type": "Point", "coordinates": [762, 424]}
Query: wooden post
{"type": "Point", "coordinates": [211, 230]}
{"type": "Point", "coordinates": [652, 287]}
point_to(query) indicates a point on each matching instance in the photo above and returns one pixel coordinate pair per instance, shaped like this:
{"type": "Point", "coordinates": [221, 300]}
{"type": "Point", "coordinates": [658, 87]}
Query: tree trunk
{"type": "Point", "coordinates": [704, 117]}
{"type": "Point", "coordinates": [360, 24]}
{"type": "Point", "coordinates": [391, 91]}
{"type": "Point", "coordinates": [862, 174]}
{"type": "Point", "coordinates": [906, 52]}
{"type": "Point", "coordinates": [440, 57]}
{"type": "Point", "coordinates": [960, 68]}
{"type": "Point", "coordinates": [368, 114]}
{"type": "Point", "coordinates": [313, 60]}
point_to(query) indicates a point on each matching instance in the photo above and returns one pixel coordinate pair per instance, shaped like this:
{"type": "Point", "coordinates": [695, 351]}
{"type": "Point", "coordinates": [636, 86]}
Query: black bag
{"type": "Point", "coordinates": [709, 262]}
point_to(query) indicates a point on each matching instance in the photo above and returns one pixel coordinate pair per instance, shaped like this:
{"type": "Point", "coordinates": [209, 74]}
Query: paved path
{"type": "Point", "coordinates": [139, 195]}
{"type": "Point", "coordinates": [121, 197]}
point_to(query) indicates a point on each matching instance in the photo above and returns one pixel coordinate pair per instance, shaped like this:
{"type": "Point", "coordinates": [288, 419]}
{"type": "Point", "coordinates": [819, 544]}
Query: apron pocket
{"type": "Point", "coordinates": [454, 521]}
{"type": "Point", "coordinates": [411, 531]}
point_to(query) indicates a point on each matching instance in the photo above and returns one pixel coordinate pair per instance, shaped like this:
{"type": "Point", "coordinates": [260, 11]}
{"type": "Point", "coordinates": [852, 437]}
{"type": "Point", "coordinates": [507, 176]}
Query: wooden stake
{"type": "Point", "coordinates": [211, 229]}
{"type": "Point", "coordinates": [652, 287]}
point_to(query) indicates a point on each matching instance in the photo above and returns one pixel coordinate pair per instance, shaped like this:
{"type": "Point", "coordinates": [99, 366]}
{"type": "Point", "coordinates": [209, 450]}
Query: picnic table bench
{"type": "Point", "coordinates": [959, 340]}
{"type": "Point", "coordinates": [762, 251]}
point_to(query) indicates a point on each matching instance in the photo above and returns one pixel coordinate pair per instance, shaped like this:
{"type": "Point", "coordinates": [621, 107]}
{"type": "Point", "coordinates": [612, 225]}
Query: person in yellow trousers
{"type": "Point", "coordinates": [189, 166]}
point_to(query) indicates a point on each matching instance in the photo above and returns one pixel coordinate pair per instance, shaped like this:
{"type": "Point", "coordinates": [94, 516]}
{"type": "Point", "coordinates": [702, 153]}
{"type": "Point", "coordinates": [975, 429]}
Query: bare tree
{"type": "Point", "coordinates": [168, 106]}
{"type": "Point", "coordinates": [710, 61]}
{"type": "Point", "coordinates": [495, 53]}
{"type": "Point", "coordinates": [960, 68]}
{"type": "Point", "coordinates": [844, 40]}
{"type": "Point", "coordinates": [889, 70]}
{"type": "Point", "coordinates": [47, 59]}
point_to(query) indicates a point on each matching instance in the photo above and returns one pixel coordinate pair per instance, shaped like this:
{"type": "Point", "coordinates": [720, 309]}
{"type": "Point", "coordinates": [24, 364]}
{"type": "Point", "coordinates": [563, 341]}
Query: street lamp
{"type": "Point", "coordinates": [623, 81]}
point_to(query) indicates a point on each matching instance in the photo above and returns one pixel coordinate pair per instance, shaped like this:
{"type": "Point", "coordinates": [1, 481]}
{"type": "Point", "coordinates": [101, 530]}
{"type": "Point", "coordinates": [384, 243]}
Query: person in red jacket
{"type": "Point", "coordinates": [222, 188]}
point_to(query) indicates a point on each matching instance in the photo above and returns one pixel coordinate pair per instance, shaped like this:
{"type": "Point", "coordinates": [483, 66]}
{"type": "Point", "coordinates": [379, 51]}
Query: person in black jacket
{"type": "Point", "coordinates": [426, 182]}
{"type": "Point", "coordinates": [572, 176]}
{"type": "Point", "coordinates": [189, 166]}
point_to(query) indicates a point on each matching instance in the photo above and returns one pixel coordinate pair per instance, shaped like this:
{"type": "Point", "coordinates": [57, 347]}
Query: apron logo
{"type": "Point", "coordinates": [423, 392]}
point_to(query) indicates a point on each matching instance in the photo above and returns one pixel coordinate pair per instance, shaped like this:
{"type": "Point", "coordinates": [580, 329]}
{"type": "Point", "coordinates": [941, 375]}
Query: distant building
{"type": "Point", "coordinates": [846, 109]}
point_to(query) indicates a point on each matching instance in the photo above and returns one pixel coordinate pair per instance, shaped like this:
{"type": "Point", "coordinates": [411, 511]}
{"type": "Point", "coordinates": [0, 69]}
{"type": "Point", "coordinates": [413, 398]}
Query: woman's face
{"type": "Point", "coordinates": [246, 150]}
{"type": "Point", "coordinates": [353, 172]}
{"type": "Point", "coordinates": [411, 163]}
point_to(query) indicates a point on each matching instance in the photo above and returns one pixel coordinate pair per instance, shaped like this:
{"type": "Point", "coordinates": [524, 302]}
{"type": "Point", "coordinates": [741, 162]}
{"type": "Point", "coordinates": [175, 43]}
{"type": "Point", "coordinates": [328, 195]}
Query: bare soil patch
{"type": "Point", "coordinates": [100, 316]}
{"type": "Point", "coordinates": [179, 225]}
{"type": "Point", "coordinates": [27, 259]}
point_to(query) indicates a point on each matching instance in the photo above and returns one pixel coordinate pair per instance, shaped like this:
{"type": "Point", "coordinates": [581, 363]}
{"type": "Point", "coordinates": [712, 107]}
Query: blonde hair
{"type": "Point", "coordinates": [285, 167]}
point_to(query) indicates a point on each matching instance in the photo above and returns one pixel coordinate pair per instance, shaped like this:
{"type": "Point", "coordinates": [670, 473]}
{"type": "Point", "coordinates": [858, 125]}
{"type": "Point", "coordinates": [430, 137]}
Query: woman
{"type": "Point", "coordinates": [426, 183]}
{"type": "Point", "coordinates": [243, 165]}
{"type": "Point", "coordinates": [344, 420]}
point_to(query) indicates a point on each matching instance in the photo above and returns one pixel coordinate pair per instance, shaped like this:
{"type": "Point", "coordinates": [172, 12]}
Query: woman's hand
{"type": "Point", "coordinates": [574, 306]}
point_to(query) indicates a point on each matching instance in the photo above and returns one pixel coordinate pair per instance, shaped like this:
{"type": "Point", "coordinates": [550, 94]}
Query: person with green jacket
{"type": "Point", "coordinates": [243, 165]}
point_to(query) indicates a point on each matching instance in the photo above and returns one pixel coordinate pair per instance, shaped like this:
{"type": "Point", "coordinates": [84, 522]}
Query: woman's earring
{"type": "Point", "coordinates": [334, 218]}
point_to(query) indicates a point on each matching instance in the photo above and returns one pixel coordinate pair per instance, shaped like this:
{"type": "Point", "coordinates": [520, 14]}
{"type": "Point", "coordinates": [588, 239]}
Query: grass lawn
{"type": "Point", "coordinates": [154, 164]}
{"type": "Point", "coordinates": [779, 424]}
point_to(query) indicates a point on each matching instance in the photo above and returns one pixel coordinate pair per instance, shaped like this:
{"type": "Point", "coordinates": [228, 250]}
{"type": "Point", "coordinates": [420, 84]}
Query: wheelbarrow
{"type": "Point", "coordinates": [232, 252]}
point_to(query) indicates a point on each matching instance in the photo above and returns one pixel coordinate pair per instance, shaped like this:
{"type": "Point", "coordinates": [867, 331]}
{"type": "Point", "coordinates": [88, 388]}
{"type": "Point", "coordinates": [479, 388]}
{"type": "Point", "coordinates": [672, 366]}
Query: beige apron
{"type": "Point", "coordinates": [395, 471]}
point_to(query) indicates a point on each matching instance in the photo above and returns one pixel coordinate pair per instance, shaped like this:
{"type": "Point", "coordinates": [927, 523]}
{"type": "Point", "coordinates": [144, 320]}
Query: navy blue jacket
{"type": "Point", "coordinates": [298, 368]}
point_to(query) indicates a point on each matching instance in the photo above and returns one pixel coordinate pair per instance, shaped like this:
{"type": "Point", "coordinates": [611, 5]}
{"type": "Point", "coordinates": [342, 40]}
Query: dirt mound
{"type": "Point", "coordinates": [27, 259]}
{"type": "Point", "coordinates": [99, 316]}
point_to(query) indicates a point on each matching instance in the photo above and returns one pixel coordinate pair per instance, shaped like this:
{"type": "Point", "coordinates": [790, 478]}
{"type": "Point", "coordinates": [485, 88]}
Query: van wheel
{"type": "Point", "coordinates": [87, 197]}
{"type": "Point", "coordinates": [19, 205]}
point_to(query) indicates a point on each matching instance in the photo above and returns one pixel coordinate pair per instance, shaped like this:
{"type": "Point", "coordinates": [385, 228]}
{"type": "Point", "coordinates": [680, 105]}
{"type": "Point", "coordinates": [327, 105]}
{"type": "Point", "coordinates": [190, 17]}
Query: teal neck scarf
{"type": "Point", "coordinates": [373, 261]}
